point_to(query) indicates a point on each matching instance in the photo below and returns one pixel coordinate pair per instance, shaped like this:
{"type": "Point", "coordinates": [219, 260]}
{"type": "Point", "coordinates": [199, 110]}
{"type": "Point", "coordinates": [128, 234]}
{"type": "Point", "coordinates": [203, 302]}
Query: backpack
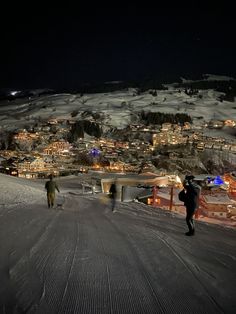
{"type": "Point", "coordinates": [182, 196]}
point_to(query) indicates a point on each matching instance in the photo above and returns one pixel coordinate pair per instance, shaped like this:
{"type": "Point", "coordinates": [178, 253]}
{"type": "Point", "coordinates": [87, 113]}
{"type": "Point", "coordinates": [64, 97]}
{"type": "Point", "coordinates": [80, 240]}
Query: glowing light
{"type": "Point", "coordinates": [94, 152]}
{"type": "Point", "coordinates": [13, 93]}
{"type": "Point", "coordinates": [218, 181]}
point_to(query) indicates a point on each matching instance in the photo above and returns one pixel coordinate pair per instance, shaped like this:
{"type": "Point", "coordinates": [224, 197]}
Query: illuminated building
{"type": "Point", "coordinates": [230, 179]}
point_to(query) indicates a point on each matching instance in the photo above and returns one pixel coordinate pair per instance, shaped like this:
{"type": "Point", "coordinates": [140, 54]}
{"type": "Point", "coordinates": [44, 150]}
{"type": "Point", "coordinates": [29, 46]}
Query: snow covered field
{"type": "Point", "coordinates": [85, 259]}
{"type": "Point", "coordinates": [119, 108]}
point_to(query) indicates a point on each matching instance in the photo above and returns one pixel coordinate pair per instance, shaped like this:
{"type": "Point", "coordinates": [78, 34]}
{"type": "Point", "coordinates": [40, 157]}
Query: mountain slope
{"type": "Point", "coordinates": [86, 259]}
{"type": "Point", "coordinates": [118, 108]}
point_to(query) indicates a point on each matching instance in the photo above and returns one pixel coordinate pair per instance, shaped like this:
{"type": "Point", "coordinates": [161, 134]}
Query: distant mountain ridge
{"type": "Point", "coordinates": [207, 81]}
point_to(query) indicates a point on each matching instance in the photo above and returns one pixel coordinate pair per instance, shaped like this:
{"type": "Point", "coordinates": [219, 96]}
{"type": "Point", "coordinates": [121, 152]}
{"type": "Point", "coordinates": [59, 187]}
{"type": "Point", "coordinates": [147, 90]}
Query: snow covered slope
{"type": "Point", "coordinates": [86, 259]}
{"type": "Point", "coordinates": [16, 191]}
{"type": "Point", "coordinates": [119, 108]}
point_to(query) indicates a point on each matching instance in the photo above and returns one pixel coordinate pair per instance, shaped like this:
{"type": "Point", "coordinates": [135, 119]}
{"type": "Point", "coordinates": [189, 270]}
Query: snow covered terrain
{"type": "Point", "coordinates": [80, 257]}
{"type": "Point", "coordinates": [210, 77]}
{"type": "Point", "coordinates": [16, 192]}
{"type": "Point", "coordinates": [119, 108]}
{"type": "Point", "coordinates": [85, 259]}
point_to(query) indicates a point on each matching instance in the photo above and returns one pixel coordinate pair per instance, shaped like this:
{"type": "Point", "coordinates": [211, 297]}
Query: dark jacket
{"type": "Point", "coordinates": [192, 196]}
{"type": "Point", "coordinates": [112, 190]}
{"type": "Point", "coordinates": [51, 186]}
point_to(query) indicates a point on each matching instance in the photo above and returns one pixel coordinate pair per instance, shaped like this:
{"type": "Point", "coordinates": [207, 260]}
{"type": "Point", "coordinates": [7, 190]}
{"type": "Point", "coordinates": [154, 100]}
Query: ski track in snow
{"type": "Point", "coordinates": [165, 304]}
{"type": "Point", "coordinates": [177, 251]}
{"type": "Point", "coordinates": [86, 259]}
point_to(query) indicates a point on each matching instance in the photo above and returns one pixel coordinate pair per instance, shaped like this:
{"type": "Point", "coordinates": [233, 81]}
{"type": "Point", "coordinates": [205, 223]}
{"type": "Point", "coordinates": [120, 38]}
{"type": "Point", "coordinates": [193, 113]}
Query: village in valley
{"type": "Point", "coordinates": [148, 151]}
{"type": "Point", "coordinates": [43, 150]}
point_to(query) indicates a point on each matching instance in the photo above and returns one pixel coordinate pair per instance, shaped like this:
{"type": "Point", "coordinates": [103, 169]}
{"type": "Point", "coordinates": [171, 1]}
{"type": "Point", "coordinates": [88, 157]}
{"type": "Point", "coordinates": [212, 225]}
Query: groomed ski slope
{"type": "Point", "coordinates": [81, 258]}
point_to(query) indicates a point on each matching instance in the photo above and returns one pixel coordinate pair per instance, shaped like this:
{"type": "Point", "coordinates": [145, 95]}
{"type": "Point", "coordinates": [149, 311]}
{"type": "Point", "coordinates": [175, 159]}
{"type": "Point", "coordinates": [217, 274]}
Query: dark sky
{"type": "Point", "coordinates": [64, 46]}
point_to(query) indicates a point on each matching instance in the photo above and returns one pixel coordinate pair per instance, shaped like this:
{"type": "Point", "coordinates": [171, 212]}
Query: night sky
{"type": "Point", "coordinates": [65, 46]}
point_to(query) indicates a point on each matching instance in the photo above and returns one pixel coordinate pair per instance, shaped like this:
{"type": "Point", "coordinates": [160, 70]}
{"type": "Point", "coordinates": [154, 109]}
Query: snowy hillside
{"type": "Point", "coordinates": [210, 77]}
{"type": "Point", "coordinates": [17, 191]}
{"type": "Point", "coordinates": [118, 108]}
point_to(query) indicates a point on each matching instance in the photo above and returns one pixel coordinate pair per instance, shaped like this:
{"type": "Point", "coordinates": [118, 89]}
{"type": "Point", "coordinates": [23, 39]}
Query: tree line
{"type": "Point", "coordinates": [84, 126]}
{"type": "Point", "coordinates": [160, 118]}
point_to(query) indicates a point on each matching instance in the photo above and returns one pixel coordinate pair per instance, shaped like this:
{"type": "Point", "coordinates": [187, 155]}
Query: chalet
{"type": "Point", "coordinates": [163, 200]}
{"type": "Point", "coordinates": [8, 166]}
{"type": "Point", "coordinates": [124, 145]}
{"type": "Point", "coordinates": [177, 127]}
{"type": "Point", "coordinates": [232, 209]}
{"type": "Point", "coordinates": [187, 126]}
{"type": "Point", "coordinates": [166, 127]}
{"type": "Point", "coordinates": [225, 147]}
{"type": "Point", "coordinates": [30, 164]}
{"type": "Point", "coordinates": [215, 124]}
{"type": "Point", "coordinates": [46, 128]}
{"type": "Point", "coordinates": [230, 123]}
{"type": "Point", "coordinates": [208, 145]}
{"type": "Point", "coordinates": [49, 162]}
{"type": "Point", "coordinates": [117, 166]}
{"type": "Point", "coordinates": [215, 205]}
{"type": "Point", "coordinates": [130, 182]}
{"type": "Point", "coordinates": [233, 148]}
{"type": "Point", "coordinates": [52, 121]}
{"type": "Point", "coordinates": [230, 178]}
{"type": "Point", "coordinates": [217, 146]}
{"type": "Point", "coordinates": [200, 146]}
{"type": "Point", "coordinates": [33, 167]}
{"type": "Point", "coordinates": [57, 148]}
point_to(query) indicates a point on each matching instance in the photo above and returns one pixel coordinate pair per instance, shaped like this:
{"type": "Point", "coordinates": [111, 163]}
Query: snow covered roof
{"type": "Point", "coordinates": [217, 199]}
{"type": "Point", "coordinates": [166, 196]}
{"type": "Point", "coordinates": [138, 179]}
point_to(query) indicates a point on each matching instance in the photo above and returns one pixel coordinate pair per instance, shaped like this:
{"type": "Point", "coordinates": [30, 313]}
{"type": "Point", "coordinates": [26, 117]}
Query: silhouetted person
{"type": "Point", "coordinates": [51, 187]}
{"type": "Point", "coordinates": [191, 202]}
{"type": "Point", "coordinates": [113, 192]}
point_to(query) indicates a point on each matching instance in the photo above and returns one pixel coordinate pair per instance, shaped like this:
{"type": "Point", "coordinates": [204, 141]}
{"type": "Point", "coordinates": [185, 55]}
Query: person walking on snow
{"type": "Point", "coordinates": [112, 192]}
{"type": "Point", "coordinates": [51, 187]}
{"type": "Point", "coordinates": [190, 196]}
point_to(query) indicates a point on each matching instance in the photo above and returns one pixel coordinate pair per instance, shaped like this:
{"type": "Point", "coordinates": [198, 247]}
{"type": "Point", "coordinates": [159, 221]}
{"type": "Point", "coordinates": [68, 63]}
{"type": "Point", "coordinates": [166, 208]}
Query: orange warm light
{"type": "Point", "coordinates": [231, 181]}
{"type": "Point", "coordinates": [149, 201]}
